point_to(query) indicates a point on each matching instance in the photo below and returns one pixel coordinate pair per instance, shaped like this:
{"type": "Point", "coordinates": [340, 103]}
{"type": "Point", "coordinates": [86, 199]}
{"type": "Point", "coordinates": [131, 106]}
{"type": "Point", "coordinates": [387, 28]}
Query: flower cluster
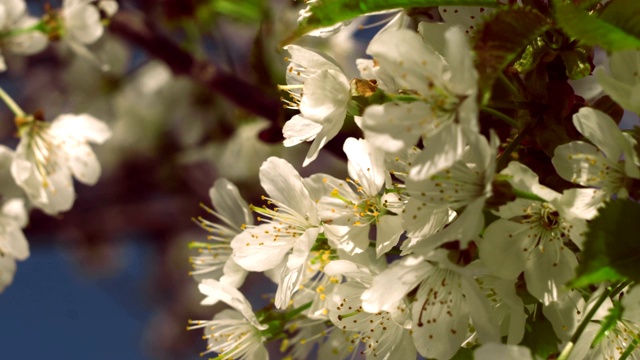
{"type": "Point", "coordinates": [39, 173]}
{"type": "Point", "coordinates": [440, 238]}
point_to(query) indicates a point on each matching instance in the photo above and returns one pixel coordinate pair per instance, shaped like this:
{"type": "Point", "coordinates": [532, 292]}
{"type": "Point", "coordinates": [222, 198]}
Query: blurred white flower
{"type": "Point", "coordinates": [7, 271]}
{"type": "Point", "coordinates": [622, 81]}
{"type": "Point", "coordinates": [14, 18]}
{"type": "Point", "coordinates": [50, 153]}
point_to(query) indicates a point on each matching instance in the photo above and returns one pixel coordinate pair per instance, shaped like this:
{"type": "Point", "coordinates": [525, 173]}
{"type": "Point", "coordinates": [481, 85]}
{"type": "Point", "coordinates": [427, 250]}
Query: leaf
{"type": "Point", "coordinates": [608, 323]}
{"type": "Point", "coordinates": [611, 248]}
{"type": "Point", "coordinates": [501, 39]}
{"type": "Point", "coordinates": [618, 28]}
{"type": "Point", "coordinates": [540, 337]}
{"type": "Point", "coordinates": [577, 62]}
{"type": "Point", "coordinates": [325, 13]}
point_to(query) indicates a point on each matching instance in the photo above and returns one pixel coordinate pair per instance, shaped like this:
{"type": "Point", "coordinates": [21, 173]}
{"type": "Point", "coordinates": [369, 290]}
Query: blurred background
{"type": "Point", "coordinates": [190, 95]}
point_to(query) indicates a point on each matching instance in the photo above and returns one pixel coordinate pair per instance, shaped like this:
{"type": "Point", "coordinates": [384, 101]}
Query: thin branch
{"type": "Point", "coordinates": [135, 28]}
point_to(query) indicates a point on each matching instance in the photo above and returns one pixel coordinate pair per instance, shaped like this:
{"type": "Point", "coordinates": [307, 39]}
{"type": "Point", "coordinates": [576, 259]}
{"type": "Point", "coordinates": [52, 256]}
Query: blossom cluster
{"type": "Point", "coordinates": [39, 172]}
{"type": "Point", "coordinates": [439, 238]}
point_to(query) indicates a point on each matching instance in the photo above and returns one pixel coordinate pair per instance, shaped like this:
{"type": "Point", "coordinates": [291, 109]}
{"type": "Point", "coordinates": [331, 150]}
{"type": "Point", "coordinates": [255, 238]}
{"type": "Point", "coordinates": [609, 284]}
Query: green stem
{"type": "Point", "coordinates": [15, 108]}
{"type": "Point", "coordinates": [527, 195]}
{"type": "Point", "coordinates": [40, 26]}
{"type": "Point", "coordinates": [564, 355]}
{"type": "Point", "coordinates": [629, 349]}
{"type": "Point", "coordinates": [507, 119]}
{"type": "Point", "coordinates": [514, 90]}
{"type": "Point", "coordinates": [504, 158]}
{"type": "Point", "coordinates": [297, 311]}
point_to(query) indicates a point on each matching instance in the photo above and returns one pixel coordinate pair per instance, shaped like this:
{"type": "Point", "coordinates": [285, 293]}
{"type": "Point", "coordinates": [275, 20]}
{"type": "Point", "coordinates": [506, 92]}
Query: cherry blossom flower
{"type": "Point", "coordinates": [447, 302]}
{"type": "Point", "coordinates": [384, 332]}
{"type": "Point", "coordinates": [289, 230]}
{"type": "Point", "coordinates": [50, 153]}
{"type": "Point", "coordinates": [461, 188]}
{"type": "Point", "coordinates": [610, 165]}
{"type": "Point", "coordinates": [233, 334]}
{"type": "Point", "coordinates": [532, 235]}
{"type": "Point", "coordinates": [622, 81]}
{"type": "Point", "coordinates": [349, 211]}
{"type": "Point", "coordinates": [15, 18]}
{"type": "Point", "coordinates": [444, 87]}
{"type": "Point", "coordinates": [214, 260]}
{"type": "Point", "coordinates": [321, 92]}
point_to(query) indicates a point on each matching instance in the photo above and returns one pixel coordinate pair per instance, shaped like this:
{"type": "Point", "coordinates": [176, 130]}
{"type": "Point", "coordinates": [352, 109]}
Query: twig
{"type": "Point", "coordinates": [135, 28]}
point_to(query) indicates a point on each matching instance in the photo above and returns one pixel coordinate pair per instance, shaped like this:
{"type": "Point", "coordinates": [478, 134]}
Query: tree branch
{"type": "Point", "coordinates": [135, 28]}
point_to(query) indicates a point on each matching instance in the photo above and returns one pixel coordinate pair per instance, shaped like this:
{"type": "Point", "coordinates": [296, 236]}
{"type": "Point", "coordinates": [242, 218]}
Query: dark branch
{"type": "Point", "coordinates": [135, 28]}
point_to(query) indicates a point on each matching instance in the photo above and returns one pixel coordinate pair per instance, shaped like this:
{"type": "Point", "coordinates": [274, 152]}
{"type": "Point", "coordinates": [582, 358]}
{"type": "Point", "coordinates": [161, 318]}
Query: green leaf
{"type": "Point", "coordinates": [608, 323]}
{"type": "Point", "coordinates": [576, 61]}
{"type": "Point", "coordinates": [330, 12]}
{"type": "Point", "coordinates": [618, 28]}
{"type": "Point", "coordinates": [501, 39]}
{"type": "Point", "coordinates": [540, 337]}
{"type": "Point", "coordinates": [612, 247]}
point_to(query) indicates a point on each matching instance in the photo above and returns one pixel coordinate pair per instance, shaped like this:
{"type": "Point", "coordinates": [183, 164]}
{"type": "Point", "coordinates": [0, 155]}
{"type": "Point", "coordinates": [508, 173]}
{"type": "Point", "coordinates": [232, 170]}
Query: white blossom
{"type": "Point", "coordinates": [214, 260]}
{"type": "Point", "coordinates": [444, 88]}
{"type": "Point", "coordinates": [233, 334]}
{"type": "Point", "coordinates": [533, 236]}
{"type": "Point", "coordinates": [50, 153]}
{"type": "Point", "coordinates": [289, 229]}
{"type": "Point", "coordinates": [622, 82]}
{"type": "Point", "coordinates": [447, 302]}
{"type": "Point", "coordinates": [321, 91]}
{"type": "Point", "coordinates": [610, 165]}
{"type": "Point", "coordinates": [14, 17]}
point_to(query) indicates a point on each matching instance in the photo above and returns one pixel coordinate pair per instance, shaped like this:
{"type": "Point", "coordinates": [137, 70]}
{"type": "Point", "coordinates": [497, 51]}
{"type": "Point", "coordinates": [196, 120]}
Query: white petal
{"type": "Point", "coordinates": [255, 250]}
{"type": "Point", "coordinates": [284, 184]}
{"type": "Point", "coordinates": [463, 77]}
{"type": "Point", "coordinates": [440, 326]}
{"type": "Point", "coordinates": [464, 228]}
{"type": "Point", "coordinates": [82, 126]}
{"type": "Point", "coordinates": [494, 351]}
{"type": "Point", "coordinates": [325, 97]}
{"type": "Point", "coordinates": [331, 128]}
{"type": "Point", "coordinates": [389, 287]}
{"type": "Point", "coordinates": [299, 129]}
{"type": "Point", "coordinates": [83, 22]}
{"type": "Point", "coordinates": [309, 59]}
{"type": "Point", "coordinates": [547, 272]}
{"type": "Point", "coordinates": [422, 219]}
{"type": "Point", "coordinates": [218, 291]}
{"type": "Point", "coordinates": [366, 165]}
{"type": "Point", "coordinates": [565, 314]}
{"type": "Point", "coordinates": [7, 271]}
{"type": "Point", "coordinates": [12, 241]}
{"type": "Point", "coordinates": [227, 201]}
{"type": "Point", "coordinates": [580, 203]}
{"type": "Point", "coordinates": [403, 53]}
{"type": "Point", "coordinates": [389, 229]}
{"type": "Point", "coordinates": [504, 248]}
{"type": "Point", "coordinates": [441, 151]}
{"type": "Point", "coordinates": [601, 130]}
{"type": "Point", "coordinates": [525, 179]}
{"type": "Point", "coordinates": [83, 162]}
{"type": "Point", "coordinates": [393, 127]}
